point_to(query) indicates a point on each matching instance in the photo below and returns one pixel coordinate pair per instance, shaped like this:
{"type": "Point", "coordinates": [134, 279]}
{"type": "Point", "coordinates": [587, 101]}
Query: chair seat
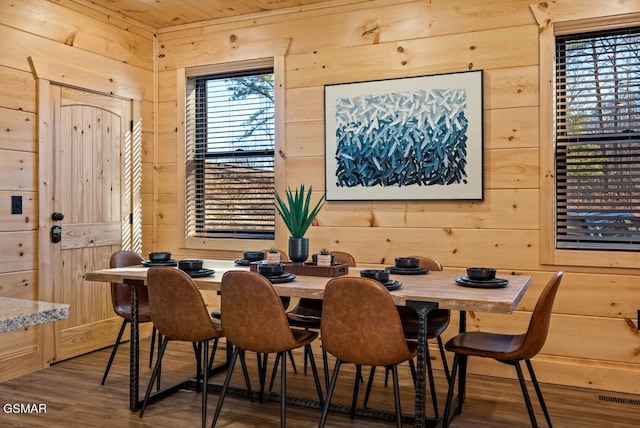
{"type": "Point", "coordinates": [304, 337]}
{"type": "Point", "coordinates": [437, 321]}
{"type": "Point", "coordinates": [489, 345]}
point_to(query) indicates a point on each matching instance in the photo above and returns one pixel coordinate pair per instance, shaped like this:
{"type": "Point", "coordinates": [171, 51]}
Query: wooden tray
{"type": "Point", "coordinates": [310, 269]}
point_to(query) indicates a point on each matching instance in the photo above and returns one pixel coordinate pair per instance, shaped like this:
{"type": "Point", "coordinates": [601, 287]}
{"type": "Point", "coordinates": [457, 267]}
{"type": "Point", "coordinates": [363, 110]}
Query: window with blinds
{"type": "Point", "coordinates": [230, 155]}
{"type": "Point", "coordinates": [598, 140]}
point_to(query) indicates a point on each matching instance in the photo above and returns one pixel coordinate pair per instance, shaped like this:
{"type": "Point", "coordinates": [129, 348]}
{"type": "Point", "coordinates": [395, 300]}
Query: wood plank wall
{"type": "Point", "coordinates": [43, 29]}
{"type": "Point", "coordinates": [593, 340]}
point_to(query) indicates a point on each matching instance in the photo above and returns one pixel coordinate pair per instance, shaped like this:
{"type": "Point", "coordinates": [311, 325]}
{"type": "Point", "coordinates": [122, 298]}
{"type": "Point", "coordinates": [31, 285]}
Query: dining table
{"type": "Point", "coordinates": [435, 289]}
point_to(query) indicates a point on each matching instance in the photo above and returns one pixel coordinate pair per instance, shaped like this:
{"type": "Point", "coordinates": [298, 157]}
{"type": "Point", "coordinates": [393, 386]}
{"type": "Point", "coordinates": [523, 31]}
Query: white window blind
{"type": "Point", "coordinates": [598, 140]}
{"type": "Point", "coordinates": [230, 155]}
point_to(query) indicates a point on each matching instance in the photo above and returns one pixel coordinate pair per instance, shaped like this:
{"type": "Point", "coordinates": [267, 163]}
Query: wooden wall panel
{"type": "Point", "coordinates": [385, 39]}
{"type": "Point", "coordinates": [19, 285]}
{"type": "Point", "coordinates": [71, 28]}
{"type": "Point", "coordinates": [17, 88]}
{"type": "Point", "coordinates": [501, 209]}
{"type": "Point", "coordinates": [48, 33]}
{"type": "Point", "coordinates": [17, 130]}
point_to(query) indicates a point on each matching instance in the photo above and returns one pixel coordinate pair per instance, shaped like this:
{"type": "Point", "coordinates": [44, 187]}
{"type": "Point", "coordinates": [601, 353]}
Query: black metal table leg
{"type": "Point", "coordinates": [134, 368]}
{"type": "Point", "coordinates": [462, 376]}
{"type": "Point", "coordinates": [422, 308]}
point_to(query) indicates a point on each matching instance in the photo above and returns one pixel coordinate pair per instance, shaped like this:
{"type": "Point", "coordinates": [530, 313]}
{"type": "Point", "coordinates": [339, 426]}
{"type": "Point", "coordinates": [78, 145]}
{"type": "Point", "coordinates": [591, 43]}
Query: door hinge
{"type": "Point", "coordinates": [131, 219]}
{"type": "Point", "coordinates": [131, 125]}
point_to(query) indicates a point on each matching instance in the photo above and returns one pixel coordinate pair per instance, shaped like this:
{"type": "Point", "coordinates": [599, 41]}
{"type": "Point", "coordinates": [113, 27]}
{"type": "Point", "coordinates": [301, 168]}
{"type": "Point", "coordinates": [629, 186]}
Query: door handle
{"type": "Point", "coordinates": [56, 216]}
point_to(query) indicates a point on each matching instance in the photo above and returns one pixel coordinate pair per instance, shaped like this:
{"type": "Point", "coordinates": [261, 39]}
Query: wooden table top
{"type": "Point", "coordinates": [438, 287]}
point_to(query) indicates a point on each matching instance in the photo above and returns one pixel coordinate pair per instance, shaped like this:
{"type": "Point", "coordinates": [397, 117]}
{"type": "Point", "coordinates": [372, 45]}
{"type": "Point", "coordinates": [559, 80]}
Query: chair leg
{"type": "Point", "coordinates": [205, 378]}
{"type": "Point", "coordinates": [525, 393]}
{"type": "Point", "coordinates": [225, 386]}
{"type": "Point", "coordinates": [159, 367]}
{"type": "Point", "coordinates": [114, 350]}
{"type": "Point", "coordinates": [213, 354]}
{"type": "Point", "coordinates": [262, 374]}
{"type": "Point", "coordinates": [245, 372]}
{"type": "Point", "coordinates": [314, 370]}
{"type": "Point", "coordinates": [327, 402]}
{"type": "Point", "coordinates": [325, 367]}
{"type": "Point", "coordinates": [155, 372]}
{"type": "Point", "coordinates": [283, 389]}
{"type": "Point", "coordinates": [447, 406]}
{"type": "Point", "coordinates": [443, 356]}
{"type": "Point", "coordinates": [462, 381]}
{"type": "Point", "coordinates": [197, 349]}
{"type": "Point", "coordinates": [293, 362]}
{"type": "Point", "coordinates": [432, 383]}
{"type": "Point", "coordinates": [538, 392]}
{"type": "Point", "coordinates": [372, 373]}
{"type": "Point", "coordinates": [396, 395]}
{"type": "Point", "coordinates": [274, 372]}
{"type": "Point", "coordinates": [153, 342]}
{"type": "Point", "coordinates": [356, 388]}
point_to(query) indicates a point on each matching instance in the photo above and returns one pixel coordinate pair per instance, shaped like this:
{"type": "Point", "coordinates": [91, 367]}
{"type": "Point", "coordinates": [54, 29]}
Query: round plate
{"type": "Point", "coordinates": [407, 271]}
{"type": "Point", "coordinates": [494, 283]}
{"type": "Point", "coordinates": [149, 263]}
{"type": "Point", "coordinates": [199, 273]}
{"type": "Point", "coordinates": [285, 277]}
{"type": "Point", "coordinates": [392, 285]}
{"type": "Point", "coordinates": [242, 262]}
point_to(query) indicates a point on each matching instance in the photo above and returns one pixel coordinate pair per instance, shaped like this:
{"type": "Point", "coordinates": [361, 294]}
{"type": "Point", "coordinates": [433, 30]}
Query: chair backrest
{"type": "Point", "coordinates": [430, 263]}
{"type": "Point", "coordinates": [538, 329]}
{"type": "Point", "coordinates": [342, 257]}
{"type": "Point", "coordinates": [177, 308]}
{"type": "Point", "coordinates": [252, 314]}
{"type": "Point", "coordinates": [360, 323]}
{"type": "Point", "coordinates": [121, 293]}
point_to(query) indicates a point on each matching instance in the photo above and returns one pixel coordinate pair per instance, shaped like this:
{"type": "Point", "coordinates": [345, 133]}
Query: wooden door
{"type": "Point", "coordinates": [93, 176]}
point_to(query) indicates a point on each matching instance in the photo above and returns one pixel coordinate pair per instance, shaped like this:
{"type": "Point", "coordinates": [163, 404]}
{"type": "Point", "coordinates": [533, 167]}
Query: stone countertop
{"type": "Point", "coordinates": [16, 314]}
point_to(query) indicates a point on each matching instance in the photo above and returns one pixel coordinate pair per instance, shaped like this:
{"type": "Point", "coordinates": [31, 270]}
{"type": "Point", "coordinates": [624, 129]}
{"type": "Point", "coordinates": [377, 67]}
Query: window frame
{"type": "Point", "coordinates": [183, 74]}
{"type": "Point", "coordinates": [552, 22]}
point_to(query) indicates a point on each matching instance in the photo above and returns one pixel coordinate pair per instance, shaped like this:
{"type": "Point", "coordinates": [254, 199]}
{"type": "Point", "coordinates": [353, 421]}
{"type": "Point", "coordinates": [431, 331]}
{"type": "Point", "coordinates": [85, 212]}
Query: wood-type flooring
{"type": "Point", "coordinates": [73, 397]}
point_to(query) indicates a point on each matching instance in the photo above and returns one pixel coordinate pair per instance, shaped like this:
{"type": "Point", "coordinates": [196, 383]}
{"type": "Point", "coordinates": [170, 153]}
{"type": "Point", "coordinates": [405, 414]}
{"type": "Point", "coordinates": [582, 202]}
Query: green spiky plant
{"type": "Point", "coordinates": [295, 210]}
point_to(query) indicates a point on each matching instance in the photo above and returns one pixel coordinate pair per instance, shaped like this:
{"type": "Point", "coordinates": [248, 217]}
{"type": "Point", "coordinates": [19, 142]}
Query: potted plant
{"type": "Point", "coordinates": [297, 213]}
{"type": "Point", "coordinates": [324, 258]}
{"type": "Point", "coordinates": [273, 255]}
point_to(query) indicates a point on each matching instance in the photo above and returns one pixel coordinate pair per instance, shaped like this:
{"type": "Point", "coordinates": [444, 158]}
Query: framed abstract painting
{"type": "Point", "coordinates": [415, 138]}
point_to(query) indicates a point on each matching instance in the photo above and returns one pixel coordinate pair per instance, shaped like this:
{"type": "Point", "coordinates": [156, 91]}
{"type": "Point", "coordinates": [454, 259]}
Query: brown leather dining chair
{"type": "Point", "coordinates": [508, 349]}
{"type": "Point", "coordinates": [360, 325]}
{"type": "Point", "coordinates": [285, 302]}
{"type": "Point", "coordinates": [121, 301]}
{"type": "Point", "coordinates": [179, 313]}
{"type": "Point", "coordinates": [437, 322]}
{"type": "Point", "coordinates": [254, 319]}
{"type": "Point", "coordinates": [308, 312]}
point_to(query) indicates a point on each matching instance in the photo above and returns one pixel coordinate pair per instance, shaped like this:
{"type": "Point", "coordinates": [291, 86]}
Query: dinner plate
{"type": "Point", "coordinates": [393, 285]}
{"type": "Point", "coordinates": [149, 263]}
{"type": "Point", "coordinates": [407, 271]}
{"type": "Point", "coordinates": [199, 273]}
{"type": "Point", "coordinates": [492, 283]}
{"type": "Point", "coordinates": [243, 262]}
{"type": "Point", "coordinates": [285, 277]}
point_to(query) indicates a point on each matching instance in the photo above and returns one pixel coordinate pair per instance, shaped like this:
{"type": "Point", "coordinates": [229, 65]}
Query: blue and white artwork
{"type": "Point", "coordinates": [414, 138]}
{"type": "Point", "coordinates": [400, 139]}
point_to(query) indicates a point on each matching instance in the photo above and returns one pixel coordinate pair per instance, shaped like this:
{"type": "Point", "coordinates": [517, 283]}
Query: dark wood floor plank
{"type": "Point", "coordinates": [73, 396]}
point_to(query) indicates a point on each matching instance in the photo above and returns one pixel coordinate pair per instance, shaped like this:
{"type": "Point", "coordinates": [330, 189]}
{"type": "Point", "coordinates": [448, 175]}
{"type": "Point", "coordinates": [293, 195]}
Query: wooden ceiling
{"type": "Point", "coordinates": [167, 13]}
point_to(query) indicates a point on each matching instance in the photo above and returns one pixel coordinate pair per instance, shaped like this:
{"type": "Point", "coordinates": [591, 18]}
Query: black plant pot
{"type": "Point", "coordinates": [298, 249]}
